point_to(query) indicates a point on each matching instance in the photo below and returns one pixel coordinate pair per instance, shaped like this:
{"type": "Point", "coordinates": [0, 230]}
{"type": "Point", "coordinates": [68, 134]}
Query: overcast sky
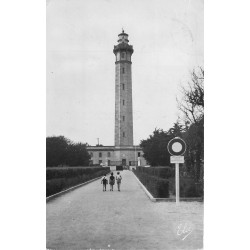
{"type": "Point", "coordinates": [167, 36]}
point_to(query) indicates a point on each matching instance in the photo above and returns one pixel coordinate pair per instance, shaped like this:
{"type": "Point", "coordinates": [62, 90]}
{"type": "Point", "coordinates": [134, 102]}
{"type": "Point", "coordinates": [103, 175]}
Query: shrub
{"type": "Point", "coordinates": [158, 187]}
{"type": "Point", "coordinates": [187, 187]}
{"type": "Point", "coordinates": [59, 179]}
{"type": "Point", "coordinates": [70, 172]}
{"type": "Point", "coordinates": [191, 191]}
{"type": "Point", "coordinates": [162, 175]}
{"type": "Point", "coordinates": [162, 172]}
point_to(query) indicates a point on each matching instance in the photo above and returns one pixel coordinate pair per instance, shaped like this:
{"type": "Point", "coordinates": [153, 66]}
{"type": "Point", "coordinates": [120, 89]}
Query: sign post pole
{"type": "Point", "coordinates": [177, 185]}
{"type": "Point", "coordinates": [177, 148]}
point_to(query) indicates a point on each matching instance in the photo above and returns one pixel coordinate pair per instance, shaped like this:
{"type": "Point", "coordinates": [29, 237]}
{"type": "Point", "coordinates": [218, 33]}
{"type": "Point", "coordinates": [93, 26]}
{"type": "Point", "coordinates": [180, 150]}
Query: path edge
{"type": "Point", "coordinates": [53, 196]}
{"type": "Point", "coordinates": [150, 196]}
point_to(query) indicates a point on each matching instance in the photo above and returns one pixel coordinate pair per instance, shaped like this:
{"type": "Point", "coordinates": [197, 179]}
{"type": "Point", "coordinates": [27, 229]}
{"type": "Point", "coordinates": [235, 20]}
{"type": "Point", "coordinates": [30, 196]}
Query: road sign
{"type": "Point", "coordinates": [176, 159]}
{"type": "Point", "coordinates": [177, 146]}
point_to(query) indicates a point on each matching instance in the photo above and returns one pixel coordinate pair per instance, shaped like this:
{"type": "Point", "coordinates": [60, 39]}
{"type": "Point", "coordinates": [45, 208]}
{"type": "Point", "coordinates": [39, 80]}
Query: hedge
{"type": "Point", "coordinates": [188, 188]}
{"type": "Point", "coordinates": [69, 172]}
{"type": "Point", "coordinates": [156, 178]}
{"type": "Point", "coordinates": [60, 179]}
{"type": "Point", "coordinates": [158, 187]}
{"type": "Point", "coordinates": [162, 172]}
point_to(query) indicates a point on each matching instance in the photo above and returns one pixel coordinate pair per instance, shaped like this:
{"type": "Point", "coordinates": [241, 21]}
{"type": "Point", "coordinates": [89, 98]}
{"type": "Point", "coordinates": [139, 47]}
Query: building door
{"type": "Point", "coordinates": [123, 162]}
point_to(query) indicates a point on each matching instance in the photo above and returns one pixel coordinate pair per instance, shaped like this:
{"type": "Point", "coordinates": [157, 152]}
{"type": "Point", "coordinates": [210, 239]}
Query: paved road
{"type": "Point", "coordinates": [88, 218]}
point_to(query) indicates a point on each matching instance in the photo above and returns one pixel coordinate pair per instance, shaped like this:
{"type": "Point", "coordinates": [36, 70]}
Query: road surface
{"type": "Point", "coordinates": [88, 218]}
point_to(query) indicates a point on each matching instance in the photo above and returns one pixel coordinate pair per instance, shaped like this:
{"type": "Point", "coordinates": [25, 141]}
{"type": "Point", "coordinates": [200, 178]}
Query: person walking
{"type": "Point", "coordinates": [104, 182]}
{"type": "Point", "coordinates": [111, 181]}
{"type": "Point", "coordinates": [118, 180]}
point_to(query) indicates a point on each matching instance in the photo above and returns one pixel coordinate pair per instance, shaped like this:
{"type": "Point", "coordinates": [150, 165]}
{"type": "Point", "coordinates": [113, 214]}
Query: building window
{"type": "Point", "coordinates": [100, 154]}
{"type": "Point", "coordinates": [100, 161]}
{"type": "Point", "coordinates": [123, 102]}
{"type": "Point", "coordinates": [123, 70]}
{"type": "Point", "coordinates": [108, 154]}
{"type": "Point", "coordinates": [108, 162]}
{"type": "Point", "coordinates": [123, 134]}
{"type": "Point", "coordinates": [118, 56]}
{"type": "Point", "coordinates": [139, 154]}
{"type": "Point", "coordinates": [123, 118]}
{"type": "Point", "coordinates": [91, 154]}
{"type": "Point", "coordinates": [123, 86]}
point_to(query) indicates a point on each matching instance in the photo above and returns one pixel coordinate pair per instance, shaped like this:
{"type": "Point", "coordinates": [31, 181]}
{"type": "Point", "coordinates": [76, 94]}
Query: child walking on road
{"type": "Point", "coordinates": [118, 180]}
{"type": "Point", "coordinates": [111, 181]}
{"type": "Point", "coordinates": [104, 182]}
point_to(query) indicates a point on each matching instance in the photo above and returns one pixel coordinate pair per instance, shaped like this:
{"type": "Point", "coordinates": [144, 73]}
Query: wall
{"type": "Point", "coordinates": [116, 154]}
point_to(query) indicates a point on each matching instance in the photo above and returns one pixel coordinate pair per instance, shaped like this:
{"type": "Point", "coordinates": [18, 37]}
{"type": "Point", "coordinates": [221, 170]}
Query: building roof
{"type": "Point", "coordinates": [113, 148]}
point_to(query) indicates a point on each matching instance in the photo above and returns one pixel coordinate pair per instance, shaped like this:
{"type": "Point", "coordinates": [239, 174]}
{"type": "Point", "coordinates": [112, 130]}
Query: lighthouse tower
{"type": "Point", "coordinates": [124, 152]}
{"type": "Point", "coordinates": [123, 92]}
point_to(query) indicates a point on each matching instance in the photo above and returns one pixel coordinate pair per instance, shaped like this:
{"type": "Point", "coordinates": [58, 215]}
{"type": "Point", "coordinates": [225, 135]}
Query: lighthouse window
{"type": "Point", "coordinates": [118, 56]}
{"type": "Point", "coordinates": [123, 70]}
{"type": "Point", "coordinates": [123, 86]}
{"type": "Point", "coordinates": [123, 118]}
{"type": "Point", "coordinates": [123, 134]}
{"type": "Point", "coordinates": [123, 55]}
{"type": "Point", "coordinates": [123, 102]}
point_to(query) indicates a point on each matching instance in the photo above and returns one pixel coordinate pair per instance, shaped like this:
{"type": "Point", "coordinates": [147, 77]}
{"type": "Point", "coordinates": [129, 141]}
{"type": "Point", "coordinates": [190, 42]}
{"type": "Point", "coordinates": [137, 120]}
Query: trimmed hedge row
{"type": "Point", "coordinates": [61, 179]}
{"type": "Point", "coordinates": [70, 172]}
{"type": "Point", "coordinates": [188, 189]}
{"type": "Point", "coordinates": [155, 179]}
{"type": "Point", "coordinates": [162, 172]}
{"type": "Point", "coordinates": [158, 187]}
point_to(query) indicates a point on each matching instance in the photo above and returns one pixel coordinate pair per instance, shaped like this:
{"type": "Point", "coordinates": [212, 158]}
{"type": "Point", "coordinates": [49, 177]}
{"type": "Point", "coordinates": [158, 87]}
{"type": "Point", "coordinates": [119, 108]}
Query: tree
{"type": "Point", "coordinates": [77, 155]}
{"type": "Point", "coordinates": [155, 148]}
{"type": "Point", "coordinates": [177, 130]}
{"type": "Point", "coordinates": [192, 106]}
{"type": "Point", "coordinates": [192, 102]}
{"type": "Point", "coordinates": [194, 138]}
{"type": "Point", "coordinates": [62, 151]}
{"type": "Point", "coordinates": [56, 148]}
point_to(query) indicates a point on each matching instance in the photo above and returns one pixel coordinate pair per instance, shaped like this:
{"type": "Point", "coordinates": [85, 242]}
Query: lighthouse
{"type": "Point", "coordinates": [123, 92]}
{"type": "Point", "coordinates": [123, 152]}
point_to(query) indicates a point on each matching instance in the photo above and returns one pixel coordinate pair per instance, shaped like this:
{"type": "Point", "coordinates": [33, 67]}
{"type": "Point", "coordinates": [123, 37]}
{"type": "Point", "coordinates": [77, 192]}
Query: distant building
{"type": "Point", "coordinates": [124, 152]}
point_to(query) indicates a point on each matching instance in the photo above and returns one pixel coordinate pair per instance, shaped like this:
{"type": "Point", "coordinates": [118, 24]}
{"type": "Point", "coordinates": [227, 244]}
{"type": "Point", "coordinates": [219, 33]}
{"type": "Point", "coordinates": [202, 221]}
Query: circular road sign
{"type": "Point", "coordinates": [177, 146]}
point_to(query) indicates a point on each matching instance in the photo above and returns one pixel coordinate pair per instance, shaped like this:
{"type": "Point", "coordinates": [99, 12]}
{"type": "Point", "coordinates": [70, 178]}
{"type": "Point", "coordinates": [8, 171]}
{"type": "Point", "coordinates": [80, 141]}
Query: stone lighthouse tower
{"type": "Point", "coordinates": [124, 152]}
{"type": "Point", "coordinates": [123, 92]}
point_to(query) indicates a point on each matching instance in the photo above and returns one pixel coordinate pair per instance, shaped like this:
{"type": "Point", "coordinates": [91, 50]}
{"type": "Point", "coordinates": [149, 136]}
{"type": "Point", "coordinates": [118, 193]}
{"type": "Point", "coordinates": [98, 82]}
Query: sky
{"type": "Point", "coordinates": [168, 41]}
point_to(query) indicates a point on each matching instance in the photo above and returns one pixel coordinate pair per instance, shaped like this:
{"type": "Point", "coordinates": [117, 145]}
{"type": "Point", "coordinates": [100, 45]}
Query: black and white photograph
{"type": "Point", "coordinates": [124, 124]}
{"type": "Point", "coordinates": [104, 140]}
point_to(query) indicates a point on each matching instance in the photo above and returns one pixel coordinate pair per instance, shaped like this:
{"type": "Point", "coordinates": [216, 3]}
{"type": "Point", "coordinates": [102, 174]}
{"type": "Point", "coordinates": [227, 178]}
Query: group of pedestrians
{"type": "Point", "coordinates": [111, 181]}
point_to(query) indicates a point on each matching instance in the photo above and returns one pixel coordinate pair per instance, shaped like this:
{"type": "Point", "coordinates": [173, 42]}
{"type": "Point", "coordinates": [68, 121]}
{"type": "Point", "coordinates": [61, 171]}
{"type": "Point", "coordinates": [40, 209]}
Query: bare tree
{"type": "Point", "coordinates": [192, 106]}
{"type": "Point", "coordinates": [192, 101]}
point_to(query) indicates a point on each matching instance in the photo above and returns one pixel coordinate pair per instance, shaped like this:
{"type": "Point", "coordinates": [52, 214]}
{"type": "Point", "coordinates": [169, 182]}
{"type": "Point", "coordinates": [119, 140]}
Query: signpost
{"type": "Point", "coordinates": [177, 148]}
{"type": "Point", "coordinates": [177, 159]}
